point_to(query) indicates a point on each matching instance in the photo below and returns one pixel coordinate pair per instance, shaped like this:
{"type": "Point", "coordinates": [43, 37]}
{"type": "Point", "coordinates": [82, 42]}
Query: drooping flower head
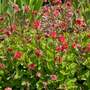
{"type": "Point", "coordinates": [53, 77]}
{"type": "Point", "coordinates": [37, 24]}
{"type": "Point", "coordinates": [15, 7]}
{"type": "Point", "coordinates": [17, 54]}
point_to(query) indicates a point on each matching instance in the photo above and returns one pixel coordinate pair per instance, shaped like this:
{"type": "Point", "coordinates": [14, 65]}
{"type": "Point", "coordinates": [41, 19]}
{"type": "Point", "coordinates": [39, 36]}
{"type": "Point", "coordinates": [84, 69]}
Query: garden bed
{"type": "Point", "coordinates": [44, 46]}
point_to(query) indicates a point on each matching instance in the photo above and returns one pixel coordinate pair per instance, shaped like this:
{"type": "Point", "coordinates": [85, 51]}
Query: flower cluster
{"type": "Point", "coordinates": [46, 47]}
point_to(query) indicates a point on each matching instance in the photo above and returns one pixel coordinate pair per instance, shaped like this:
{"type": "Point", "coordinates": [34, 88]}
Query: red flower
{"type": "Point", "coordinates": [64, 46]}
{"type": "Point", "coordinates": [8, 33]}
{"type": "Point", "coordinates": [38, 52]}
{"type": "Point", "coordinates": [31, 66]}
{"type": "Point", "coordinates": [80, 22]}
{"type": "Point", "coordinates": [53, 35]}
{"type": "Point", "coordinates": [37, 24]}
{"type": "Point", "coordinates": [8, 88]}
{"type": "Point", "coordinates": [16, 8]}
{"type": "Point", "coordinates": [53, 77]}
{"type": "Point", "coordinates": [62, 39]}
{"type": "Point", "coordinates": [26, 9]}
{"type": "Point", "coordinates": [17, 55]}
{"type": "Point", "coordinates": [74, 45]}
{"type": "Point", "coordinates": [58, 48]}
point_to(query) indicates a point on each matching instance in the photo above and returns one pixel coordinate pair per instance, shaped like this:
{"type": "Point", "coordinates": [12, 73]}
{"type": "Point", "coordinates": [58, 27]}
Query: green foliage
{"type": "Point", "coordinates": [28, 57]}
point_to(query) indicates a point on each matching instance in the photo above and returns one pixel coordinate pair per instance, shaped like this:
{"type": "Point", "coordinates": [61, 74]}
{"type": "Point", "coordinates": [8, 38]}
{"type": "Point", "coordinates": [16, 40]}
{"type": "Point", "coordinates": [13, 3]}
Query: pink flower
{"type": "Point", "coordinates": [26, 9]}
{"type": "Point", "coordinates": [59, 1]}
{"type": "Point", "coordinates": [45, 8]}
{"type": "Point", "coordinates": [8, 33]}
{"type": "Point", "coordinates": [68, 4]}
{"type": "Point", "coordinates": [56, 13]}
{"type": "Point", "coordinates": [37, 24]}
{"type": "Point", "coordinates": [69, 15]}
{"type": "Point", "coordinates": [8, 88]}
{"type": "Point", "coordinates": [53, 77]}
{"type": "Point", "coordinates": [53, 34]}
{"type": "Point", "coordinates": [16, 8]}
{"type": "Point", "coordinates": [17, 55]}
{"type": "Point", "coordinates": [47, 34]}
{"type": "Point", "coordinates": [31, 66]}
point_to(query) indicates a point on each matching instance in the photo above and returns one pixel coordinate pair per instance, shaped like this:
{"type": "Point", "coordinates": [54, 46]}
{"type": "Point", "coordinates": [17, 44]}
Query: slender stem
{"type": "Point", "coordinates": [53, 49]}
{"type": "Point", "coordinates": [0, 6]}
